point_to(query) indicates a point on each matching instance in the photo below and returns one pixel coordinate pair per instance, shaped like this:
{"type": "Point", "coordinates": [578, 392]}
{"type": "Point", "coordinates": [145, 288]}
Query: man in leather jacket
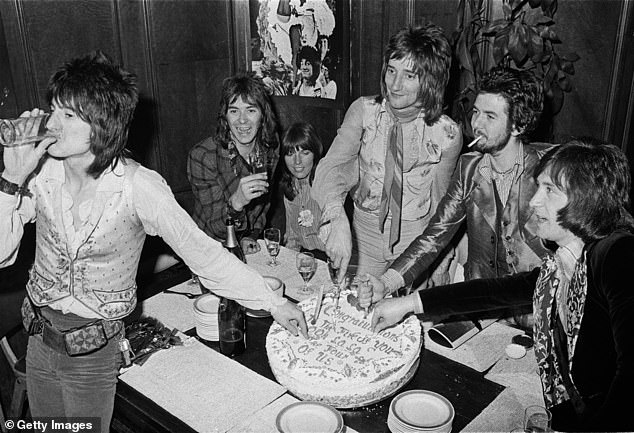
{"type": "Point", "coordinates": [490, 188]}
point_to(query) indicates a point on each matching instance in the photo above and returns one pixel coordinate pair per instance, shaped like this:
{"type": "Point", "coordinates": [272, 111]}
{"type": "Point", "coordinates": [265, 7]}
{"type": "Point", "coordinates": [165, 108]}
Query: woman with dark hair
{"type": "Point", "coordinates": [309, 65]}
{"type": "Point", "coordinates": [93, 207]}
{"type": "Point", "coordinates": [218, 167]}
{"type": "Point", "coordinates": [302, 150]}
{"type": "Point", "coordinates": [394, 154]}
{"type": "Point", "coordinates": [582, 296]}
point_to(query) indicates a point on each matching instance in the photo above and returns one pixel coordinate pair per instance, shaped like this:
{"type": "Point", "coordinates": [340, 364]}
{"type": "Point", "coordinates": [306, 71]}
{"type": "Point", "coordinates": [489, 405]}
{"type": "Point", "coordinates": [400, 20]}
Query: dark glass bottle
{"type": "Point", "coordinates": [231, 315]}
{"type": "Point", "coordinates": [231, 242]}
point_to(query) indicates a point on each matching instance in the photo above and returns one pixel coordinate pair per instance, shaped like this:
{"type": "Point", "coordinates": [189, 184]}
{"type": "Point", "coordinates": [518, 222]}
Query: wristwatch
{"type": "Point", "coordinates": [13, 188]}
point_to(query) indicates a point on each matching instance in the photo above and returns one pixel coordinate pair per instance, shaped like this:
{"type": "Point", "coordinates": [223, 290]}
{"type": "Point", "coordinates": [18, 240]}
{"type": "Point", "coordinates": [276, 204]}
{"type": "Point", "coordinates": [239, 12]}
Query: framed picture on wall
{"type": "Point", "coordinates": [300, 47]}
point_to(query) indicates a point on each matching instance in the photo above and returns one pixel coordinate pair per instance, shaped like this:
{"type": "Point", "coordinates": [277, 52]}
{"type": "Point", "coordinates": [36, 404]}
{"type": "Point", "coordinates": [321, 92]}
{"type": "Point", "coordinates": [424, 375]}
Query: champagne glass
{"type": "Point", "coordinates": [306, 265]}
{"type": "Point", "coordinates": [272, 240]}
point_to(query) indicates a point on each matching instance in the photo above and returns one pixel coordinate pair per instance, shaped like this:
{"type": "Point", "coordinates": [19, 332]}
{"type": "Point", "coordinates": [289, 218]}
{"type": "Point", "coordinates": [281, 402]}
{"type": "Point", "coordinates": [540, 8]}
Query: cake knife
{"type": "Point", "coordinates": [320, 297]}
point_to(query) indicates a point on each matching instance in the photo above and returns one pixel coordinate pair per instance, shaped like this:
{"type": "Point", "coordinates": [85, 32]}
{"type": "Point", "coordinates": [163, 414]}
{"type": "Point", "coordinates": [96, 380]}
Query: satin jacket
{"type": "Point", "coordinates": [498, 244]}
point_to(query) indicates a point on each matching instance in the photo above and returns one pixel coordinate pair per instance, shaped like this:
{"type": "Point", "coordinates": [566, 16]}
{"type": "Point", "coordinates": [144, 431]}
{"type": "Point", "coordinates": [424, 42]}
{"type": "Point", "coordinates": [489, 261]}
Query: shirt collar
{"type": "Point", "coordinates": [110, 180]}
{"type": "Point", "coordinates": [486, 165]}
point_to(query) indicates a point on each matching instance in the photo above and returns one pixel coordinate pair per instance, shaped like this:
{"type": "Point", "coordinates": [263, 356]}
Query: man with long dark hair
{"type": "Point", "coordinates": [490, 189]}
{"type": "Point", "coordinates": [582, 296]}
{"type": "Point", "coordinates": [92, 207]}
{"type": "Point", "coordinates": [218, 167]}
{"type": "Point", "coordinates": [394, 155]}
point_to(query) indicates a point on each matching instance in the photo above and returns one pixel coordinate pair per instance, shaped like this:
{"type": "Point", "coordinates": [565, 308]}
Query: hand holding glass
{"type": "Point", "coordinates": [306, 266]}
{"type": "Point", "coordinates": [272, 241]}
{"type": "Point", "coordinates": [24, 130]}
{"type": "Point", "coordinates": [258, 162]}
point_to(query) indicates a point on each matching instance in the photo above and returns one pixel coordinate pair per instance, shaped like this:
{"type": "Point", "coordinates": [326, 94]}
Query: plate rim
{"type": "Point", "coordinates": [442, 398]}
{"type": "Point", "coordinates": [202, 298]}
{"type": "Point", "coordinates": [340, 423]}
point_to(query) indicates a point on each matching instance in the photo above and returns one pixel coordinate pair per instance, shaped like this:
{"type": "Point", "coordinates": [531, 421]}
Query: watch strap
{"type": "Point", "coordinates": [13, 188]}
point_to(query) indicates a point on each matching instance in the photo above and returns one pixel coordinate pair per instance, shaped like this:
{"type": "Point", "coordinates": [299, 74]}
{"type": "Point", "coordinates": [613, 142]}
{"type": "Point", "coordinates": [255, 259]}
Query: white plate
{"type": "Point", "coordinates": [422, 409]}
{"type": "Point", "coordinates": [308, 417]}
{"type": "Point", "coordinates": [207, 303]}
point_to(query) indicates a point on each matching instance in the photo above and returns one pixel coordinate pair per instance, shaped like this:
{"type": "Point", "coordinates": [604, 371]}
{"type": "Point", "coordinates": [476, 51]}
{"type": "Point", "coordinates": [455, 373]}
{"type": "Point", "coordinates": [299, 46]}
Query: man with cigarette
{"type": "Point", "coordinates": [490, 189]}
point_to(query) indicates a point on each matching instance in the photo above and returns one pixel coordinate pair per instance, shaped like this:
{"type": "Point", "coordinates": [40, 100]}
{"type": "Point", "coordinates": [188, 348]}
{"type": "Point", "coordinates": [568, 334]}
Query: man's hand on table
{"type": "Point", "coordinates": [291, 317]}
{"type": "Point", "coordinates": [249, 245]}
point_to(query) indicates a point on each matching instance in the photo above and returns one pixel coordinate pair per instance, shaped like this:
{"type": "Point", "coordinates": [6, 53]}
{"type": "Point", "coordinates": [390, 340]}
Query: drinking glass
{"type": "Point", "coordinates": [258, 162]}
{"type": "Point", "coordinates": [306, 265]}
{"type": "Point", "coordinates": [272, 241]}
{"type": "Point", "coordinates": [24, 130]}
{"type": "Point", "coordinates": [537, 419]}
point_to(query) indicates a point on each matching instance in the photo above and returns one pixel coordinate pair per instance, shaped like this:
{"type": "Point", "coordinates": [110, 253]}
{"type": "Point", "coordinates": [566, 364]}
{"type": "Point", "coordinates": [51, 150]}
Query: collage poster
{"type": "Point", "coordinates": [294, 46]}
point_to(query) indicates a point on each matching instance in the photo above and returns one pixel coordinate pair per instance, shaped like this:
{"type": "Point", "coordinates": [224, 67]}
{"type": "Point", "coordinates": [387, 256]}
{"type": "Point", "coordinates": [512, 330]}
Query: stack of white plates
{"type": "Point", "coordinates": [420, 411]}
{"type": "Point", "coordinates": [309, 417]}
{"type": "Point", "coordinates": [206, 316]}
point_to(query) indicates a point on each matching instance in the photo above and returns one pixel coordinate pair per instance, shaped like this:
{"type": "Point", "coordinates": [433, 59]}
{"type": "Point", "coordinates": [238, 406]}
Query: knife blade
{"type": "Point", "coordinates": [320, 297]}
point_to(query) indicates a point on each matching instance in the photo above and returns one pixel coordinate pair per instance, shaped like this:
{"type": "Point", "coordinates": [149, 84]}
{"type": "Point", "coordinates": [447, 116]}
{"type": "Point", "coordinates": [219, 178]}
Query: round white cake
{"type": "Point", "coordinates": [344, 363]}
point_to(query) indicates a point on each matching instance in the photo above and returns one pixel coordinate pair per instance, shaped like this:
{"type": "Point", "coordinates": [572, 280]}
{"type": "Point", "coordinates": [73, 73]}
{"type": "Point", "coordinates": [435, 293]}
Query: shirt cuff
{"type": "Point", "coordinates": [417, 304]}
{"type": "Point", "coordinates": [331, 211]}
{"type": "Point", "coordinates": [392, 280]}
{"type": "Point", "coordinates": [277, 302]}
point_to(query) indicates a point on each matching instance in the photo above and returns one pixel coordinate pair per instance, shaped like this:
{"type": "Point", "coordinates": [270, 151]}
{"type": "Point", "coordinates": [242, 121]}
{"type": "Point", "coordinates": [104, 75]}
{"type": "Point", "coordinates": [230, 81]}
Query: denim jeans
{"type": "Point", "coordinates": [59, 385]}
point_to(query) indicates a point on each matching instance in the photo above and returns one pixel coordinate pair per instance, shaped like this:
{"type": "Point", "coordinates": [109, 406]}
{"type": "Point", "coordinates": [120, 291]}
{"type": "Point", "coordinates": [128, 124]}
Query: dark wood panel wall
{"type": "Point", "coordinates": [180, 50]}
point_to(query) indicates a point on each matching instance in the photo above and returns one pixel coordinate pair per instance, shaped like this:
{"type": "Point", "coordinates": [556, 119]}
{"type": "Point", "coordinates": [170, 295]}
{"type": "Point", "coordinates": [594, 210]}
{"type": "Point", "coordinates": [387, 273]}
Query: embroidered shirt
{"type": "Point", "coordinates": [154, 211]}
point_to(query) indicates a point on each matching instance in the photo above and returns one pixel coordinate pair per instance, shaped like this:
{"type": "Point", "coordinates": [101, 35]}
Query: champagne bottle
{"type": "Point", "coordinates": [231, 242]}
{"type": "Point", "coordinates": [231, 315]}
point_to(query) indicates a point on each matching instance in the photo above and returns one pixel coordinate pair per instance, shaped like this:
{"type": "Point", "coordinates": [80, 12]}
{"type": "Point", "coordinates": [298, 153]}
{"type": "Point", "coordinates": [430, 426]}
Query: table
{"type": "Point", "coordinates": [468, 390]}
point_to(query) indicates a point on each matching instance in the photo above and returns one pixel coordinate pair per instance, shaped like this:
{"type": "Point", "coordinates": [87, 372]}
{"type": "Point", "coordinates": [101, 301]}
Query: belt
{"type": "Point", "coordinates": [77, 341]}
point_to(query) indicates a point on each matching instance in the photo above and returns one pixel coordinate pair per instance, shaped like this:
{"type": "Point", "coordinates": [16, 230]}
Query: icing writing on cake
{"type": "Point", "coordinates": [343, 363]}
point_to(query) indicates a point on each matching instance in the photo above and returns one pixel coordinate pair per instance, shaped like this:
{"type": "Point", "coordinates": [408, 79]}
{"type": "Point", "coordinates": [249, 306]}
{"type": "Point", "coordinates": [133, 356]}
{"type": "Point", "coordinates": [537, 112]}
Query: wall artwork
{"type": "Point", "coordinates": [296, 46]}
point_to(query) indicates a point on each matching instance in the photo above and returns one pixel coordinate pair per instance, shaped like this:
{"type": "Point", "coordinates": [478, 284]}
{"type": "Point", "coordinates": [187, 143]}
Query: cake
{"type": "Point", "coordinates": [346, 364]}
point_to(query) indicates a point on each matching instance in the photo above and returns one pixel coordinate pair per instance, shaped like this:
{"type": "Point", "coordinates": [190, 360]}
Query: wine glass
{"type": "Point", "coordinates": [272, 240]}
{"type": "Point", "coordinates": [306, 265]}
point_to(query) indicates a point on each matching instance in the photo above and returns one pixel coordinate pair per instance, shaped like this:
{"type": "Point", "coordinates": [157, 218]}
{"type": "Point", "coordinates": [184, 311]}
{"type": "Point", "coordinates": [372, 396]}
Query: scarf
{"type": "Point", "coordinates": [545, 312]}
{"type": "Point", "coordinates": [392, 196]}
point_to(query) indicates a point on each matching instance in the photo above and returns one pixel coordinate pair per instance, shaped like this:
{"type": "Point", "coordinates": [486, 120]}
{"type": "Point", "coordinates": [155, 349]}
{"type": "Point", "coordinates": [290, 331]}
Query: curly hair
{"type": "Point", "coordinates": [299, 136]}
{"type": "Point", "coordinates": [596, 179]}
{"type": "Point", "coordinates": [429, 50]}
{"type": "Point", "coordinates": [251, 89]}
{"type": "Point", "coordinates": [522, 92]}
{"type": "Point", "coordinates": [311, 56]}
{"type": "Point", "coordinates": [103, 95]}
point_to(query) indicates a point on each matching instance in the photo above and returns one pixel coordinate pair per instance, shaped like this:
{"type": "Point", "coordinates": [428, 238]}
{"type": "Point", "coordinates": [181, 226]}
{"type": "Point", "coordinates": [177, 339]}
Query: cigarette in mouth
{"type": "Point", "coordinates": [475, 140]}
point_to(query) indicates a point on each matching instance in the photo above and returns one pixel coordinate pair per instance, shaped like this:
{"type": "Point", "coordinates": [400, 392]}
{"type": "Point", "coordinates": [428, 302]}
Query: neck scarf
{"type": "Point", "coordinates": [545, 312]}
{"type": "Point", "coordinates": [392, 196]}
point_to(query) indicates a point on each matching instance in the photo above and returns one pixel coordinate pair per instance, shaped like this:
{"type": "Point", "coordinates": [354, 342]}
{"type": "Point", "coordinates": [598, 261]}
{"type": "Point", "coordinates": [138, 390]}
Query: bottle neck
{"type": "Point", "coordinates": [232, 240]}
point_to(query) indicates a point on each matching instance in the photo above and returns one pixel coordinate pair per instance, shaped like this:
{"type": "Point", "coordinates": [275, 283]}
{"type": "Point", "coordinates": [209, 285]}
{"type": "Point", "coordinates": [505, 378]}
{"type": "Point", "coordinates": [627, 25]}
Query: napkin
{"type": "Point", "coordinates": [206, 390]}
{"type": "Point", "coordinates": [174, 311]}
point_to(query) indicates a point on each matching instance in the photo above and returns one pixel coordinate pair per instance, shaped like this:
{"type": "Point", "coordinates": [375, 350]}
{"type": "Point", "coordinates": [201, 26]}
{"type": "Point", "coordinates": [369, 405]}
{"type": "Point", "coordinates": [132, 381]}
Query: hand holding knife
{"type": "Point", "coordinates": [320, 297]}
